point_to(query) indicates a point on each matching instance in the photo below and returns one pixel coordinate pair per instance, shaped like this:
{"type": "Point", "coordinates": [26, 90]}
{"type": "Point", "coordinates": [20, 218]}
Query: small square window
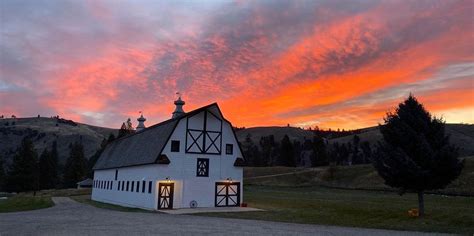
{"type": "Point", "coordinates": [174, 145]}
{"type": "Point", "coordinates": [202, 169]}
{"type": "Point", "coordinates": [229, 149]}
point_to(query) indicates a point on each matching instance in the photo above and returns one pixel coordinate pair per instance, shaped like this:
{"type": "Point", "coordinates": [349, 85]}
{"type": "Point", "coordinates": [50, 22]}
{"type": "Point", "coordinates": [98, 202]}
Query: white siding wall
{"type": "Point", "coordinates": [181, 171]}
{"type": "Point", "coordinates": [154, 173]}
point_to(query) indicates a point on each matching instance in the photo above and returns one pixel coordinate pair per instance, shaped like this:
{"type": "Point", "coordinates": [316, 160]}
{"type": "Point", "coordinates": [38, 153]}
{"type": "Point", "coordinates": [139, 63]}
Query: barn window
{"type": "Point", "coordinates": [133, 184]}
{"type": "Point", "coordinates": [229, 149]}
{"type": "Point", "coordinates": [149, 187]}
{"type": "Point", "coordinates": [111, 184]}
{"type": "Point", "coordinates": [123, 185]}
{"type": "Point", "coordinates": [143, 186]}
{"type": "Point", "coordinates": [116, 174]}
{"type": "Point", "coordinates": [202, 169]}
{"type": "Point", "coordinates": [138, 187]}
{"type": "Point", "coordinates": [106, 184]}
{"type": "Point", "coordinates": [118, 186]}
{"type": "Point", "coordinates": [174, 145]}
{"type": "Point", "coordinates": [127, 186]}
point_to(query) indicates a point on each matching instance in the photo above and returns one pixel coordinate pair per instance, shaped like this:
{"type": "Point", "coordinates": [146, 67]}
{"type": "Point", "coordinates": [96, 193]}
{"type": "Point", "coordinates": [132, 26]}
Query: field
{"type": "Point", "coordinates": [362, 177]}
{"type": "Point", "coordinates": [24, 203]}
{"type": "Point", "coordinates": [28, 201]}
{"type": "Point", "coordinates": [356, 208]}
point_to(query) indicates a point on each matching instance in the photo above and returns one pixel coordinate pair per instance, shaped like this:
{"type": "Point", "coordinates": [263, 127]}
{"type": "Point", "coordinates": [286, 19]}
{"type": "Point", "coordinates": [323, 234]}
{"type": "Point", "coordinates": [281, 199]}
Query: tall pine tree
{"type": "Point", "coordinates": [75, 169]}
{"type": "Point", "coordinates": [48, 172]}
{"type": "Point", "coordinates": [2, 174]}
{"type": "Point", "coordinates": [416, 155]}
{"type": "Point", "coordinates": [286, 157]}
{"type": "Point", "coordinates": [24, 173]}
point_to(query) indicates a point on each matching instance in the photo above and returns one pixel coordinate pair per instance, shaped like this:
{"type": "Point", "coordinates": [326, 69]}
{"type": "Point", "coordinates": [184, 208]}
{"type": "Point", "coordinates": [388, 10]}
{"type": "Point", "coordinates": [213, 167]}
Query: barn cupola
{"type": "Point", "coordinates": [141, 122]}
{"type": "Point", "coordinates": [179, 107]}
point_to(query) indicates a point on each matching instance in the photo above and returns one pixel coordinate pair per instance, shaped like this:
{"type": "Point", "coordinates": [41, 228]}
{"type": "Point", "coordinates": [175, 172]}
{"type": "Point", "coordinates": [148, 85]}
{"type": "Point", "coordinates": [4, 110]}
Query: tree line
{"type": "Point", "coordinates": [309, 152]}
{"type": "Point", "coordinates": [32, 172]}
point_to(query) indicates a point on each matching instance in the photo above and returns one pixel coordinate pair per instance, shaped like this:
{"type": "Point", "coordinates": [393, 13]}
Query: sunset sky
{"type": "Point", "coordinates": [335, 64]}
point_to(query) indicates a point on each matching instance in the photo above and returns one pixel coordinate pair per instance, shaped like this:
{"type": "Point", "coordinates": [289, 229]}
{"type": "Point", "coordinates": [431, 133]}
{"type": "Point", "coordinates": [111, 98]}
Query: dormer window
{"type": "Point", "coordinates": [174, 145]}
{"type": "Point", "coordinates": [229, 149]}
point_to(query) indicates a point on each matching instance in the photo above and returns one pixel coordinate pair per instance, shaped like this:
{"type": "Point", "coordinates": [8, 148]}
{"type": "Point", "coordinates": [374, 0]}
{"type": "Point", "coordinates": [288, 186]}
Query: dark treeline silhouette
{"type": "Point", "coordinates": [28, 172]}
{"type": "Point", "coordinates": [309, 153]}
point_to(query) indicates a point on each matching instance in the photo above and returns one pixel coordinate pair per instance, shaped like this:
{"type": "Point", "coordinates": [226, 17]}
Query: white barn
{"type": "Point", "coordinates": [190, 160]}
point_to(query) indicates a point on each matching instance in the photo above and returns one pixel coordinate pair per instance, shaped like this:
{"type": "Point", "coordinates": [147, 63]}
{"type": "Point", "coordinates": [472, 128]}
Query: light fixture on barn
{"type": "Point", "coordinates": [229, 180]}
{"type": "Point", "coordinates": [168, 180]}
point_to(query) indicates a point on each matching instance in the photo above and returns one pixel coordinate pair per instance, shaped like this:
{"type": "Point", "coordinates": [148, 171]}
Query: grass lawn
{"type": "Point", "coordinates": [87, 200]}
{"type": "Point", "coordinates": [24, 203]}
{"type": "Point", "coordinates": [356, 208]}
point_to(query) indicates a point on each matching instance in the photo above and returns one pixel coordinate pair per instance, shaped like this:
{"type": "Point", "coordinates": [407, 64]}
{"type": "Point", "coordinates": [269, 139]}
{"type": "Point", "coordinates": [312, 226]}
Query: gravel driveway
{"type": "Point", "coordinates": [69, 217]}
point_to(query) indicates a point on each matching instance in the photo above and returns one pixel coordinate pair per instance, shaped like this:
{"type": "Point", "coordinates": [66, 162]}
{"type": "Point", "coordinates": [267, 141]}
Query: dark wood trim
{"type": "Point", "coordinates": [226, 195]}
{"type": "Point", "coordinates": [206, 160]}
{"type": "Point", "coordinates": [169, 197]}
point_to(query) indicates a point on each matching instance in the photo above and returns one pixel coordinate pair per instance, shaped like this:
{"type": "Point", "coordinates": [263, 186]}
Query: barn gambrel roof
{"type": "Point", "coordinates": [144, 147]}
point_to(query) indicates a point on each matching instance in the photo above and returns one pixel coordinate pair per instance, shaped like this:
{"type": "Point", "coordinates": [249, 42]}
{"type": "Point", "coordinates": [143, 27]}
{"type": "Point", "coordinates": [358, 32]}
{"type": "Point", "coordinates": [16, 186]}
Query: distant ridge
{"type": "Point", "coordinates": [462, 135]}
{"type": "Point", "coordinates": [44, 131]}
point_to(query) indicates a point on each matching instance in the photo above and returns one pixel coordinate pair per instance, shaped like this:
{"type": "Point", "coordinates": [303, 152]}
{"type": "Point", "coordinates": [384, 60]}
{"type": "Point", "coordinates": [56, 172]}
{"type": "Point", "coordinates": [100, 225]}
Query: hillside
{"type": "Point", "coordinates": [278, 132]}
{"type": "Point", "coordinates": [461, 135]}
{"type": "Point", "coordinates": [44, 131]}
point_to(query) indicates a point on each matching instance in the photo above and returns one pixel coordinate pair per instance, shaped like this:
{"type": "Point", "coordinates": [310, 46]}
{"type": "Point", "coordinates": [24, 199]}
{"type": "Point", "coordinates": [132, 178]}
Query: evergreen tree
{"type": "Point", "coordinates": [126, 129]}
{"type": "Point", "coordinates": [48, 170]}
{"type": "Point", "coordinates": [24, 173]}
{"type": "Point", "coordinates": [367, 151]}
{"type": "Point", "coordinates": [268, 146]}
{"type": "Point", "coordinates": [55, 165]}
{"type": "Point", "coordinates": [2, 174]}
{"type": "Point", "coordinates": [286, 157]}
{"type": "Point", "coordinates": [320, 152]}
{"type": "Point", "coordinates": [416, 155]}
{"type": "Point", "coordinates": [92, 160]}
{"type": "Point", "coordinates": [75, 169]}
{"type": "Point", "coordinates": [123, 130]}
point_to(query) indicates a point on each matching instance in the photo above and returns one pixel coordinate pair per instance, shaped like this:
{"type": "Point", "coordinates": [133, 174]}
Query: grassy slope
{"type": "Point", "coordinates": [316, 205]}
{"type": "Point", "coordinates": [25, 203]}
{"type": "Point", "coordinates": [352, 177]}
{"type": "Point", "coordinates": [43, 132]}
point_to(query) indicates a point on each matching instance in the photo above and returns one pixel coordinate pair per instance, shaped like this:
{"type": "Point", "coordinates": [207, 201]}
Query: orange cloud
{"type": "Point", "coordinates": [320, 63]}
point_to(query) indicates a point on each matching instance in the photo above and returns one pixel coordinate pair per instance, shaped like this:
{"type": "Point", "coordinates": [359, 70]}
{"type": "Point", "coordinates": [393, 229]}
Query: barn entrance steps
{"type": "Point", "coordinates": [208, 210]}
